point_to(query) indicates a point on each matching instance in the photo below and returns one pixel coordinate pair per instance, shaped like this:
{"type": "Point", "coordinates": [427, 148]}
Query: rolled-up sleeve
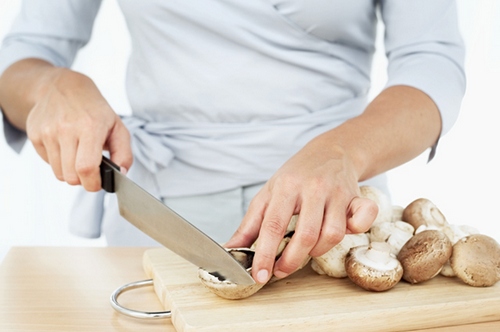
{"type": "Point", "coordinates": [425, 50]}
{"type": "Point", "coordinates": [51, 30]}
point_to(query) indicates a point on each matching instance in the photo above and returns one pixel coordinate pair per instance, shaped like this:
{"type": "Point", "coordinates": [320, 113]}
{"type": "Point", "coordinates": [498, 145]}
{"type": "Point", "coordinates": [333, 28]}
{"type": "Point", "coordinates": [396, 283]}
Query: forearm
{"type": "Point", "coordinates": [21, 85]}
{"type": "Point", "coordinates": [396, 127]}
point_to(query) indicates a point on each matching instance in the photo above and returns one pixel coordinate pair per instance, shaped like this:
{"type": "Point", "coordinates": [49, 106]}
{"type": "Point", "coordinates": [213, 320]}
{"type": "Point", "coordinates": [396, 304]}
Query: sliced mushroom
{"type": "Point", "coordinates": [424, 255]}
{"type": "Point", "coordinates": [373, 267]}
{"type": "Point", "coordinates": [332, 263]}
{"type": "Point", "coordinates": [423, 212]}
{"type": "Point", "coordinates": [226, 288]}
{"type": "Point", "coordinates": [476, 260]}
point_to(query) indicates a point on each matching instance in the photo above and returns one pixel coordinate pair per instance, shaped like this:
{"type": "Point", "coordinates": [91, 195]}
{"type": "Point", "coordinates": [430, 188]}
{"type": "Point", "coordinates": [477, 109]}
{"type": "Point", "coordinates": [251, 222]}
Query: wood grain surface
{"type": "Point", "coordinates": [306, 301]}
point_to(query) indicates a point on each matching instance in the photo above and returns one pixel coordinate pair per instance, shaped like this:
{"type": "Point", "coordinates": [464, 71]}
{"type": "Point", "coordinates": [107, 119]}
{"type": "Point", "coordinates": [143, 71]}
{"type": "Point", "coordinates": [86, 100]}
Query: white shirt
{"type": "Point", "coordinates": [223, 92]}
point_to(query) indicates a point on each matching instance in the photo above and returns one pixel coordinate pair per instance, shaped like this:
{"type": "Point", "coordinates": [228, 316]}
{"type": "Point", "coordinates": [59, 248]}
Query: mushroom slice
{"type": "Point", "coordinates": [423, 212]}
{"type": "Point", "coordinates": [373, 267]}
{"type": "Point", "coordinates": [476, 260]}
{"type": "Point", "coordinates": [332, 263]}
{"type": "Point", "coordinates": [424, 255]}
{"type": "Point", "coordinates": [226, 288]}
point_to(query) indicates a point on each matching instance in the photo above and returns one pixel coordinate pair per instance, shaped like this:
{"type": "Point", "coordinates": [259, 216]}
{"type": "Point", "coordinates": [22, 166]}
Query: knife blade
{"type": "Point", "coordinates": [154, 218]}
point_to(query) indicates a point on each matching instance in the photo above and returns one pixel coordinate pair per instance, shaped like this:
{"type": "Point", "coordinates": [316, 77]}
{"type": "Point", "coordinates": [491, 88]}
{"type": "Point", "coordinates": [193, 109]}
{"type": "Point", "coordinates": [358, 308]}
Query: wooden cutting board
{"type": "Point", "coordinates": [307, 301]}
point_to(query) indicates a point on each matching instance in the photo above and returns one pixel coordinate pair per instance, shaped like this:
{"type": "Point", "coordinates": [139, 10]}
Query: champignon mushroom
{"type": "Point", "coordinates": [476, 260]}
{"type": "Point", "coordinates": [381, 199]}
{"type": "Point", "coordinates": [332, 263]}
{"type": "Point", "coordinates": [395, 233]}
{"type": "Point", "coordinates": [455, 233]}
{"type": "Point", "coordinates": [373, 267]}
{"type": "Point", "coordinates": [423, 212]}
{"type": "Point", "coordinates": [424, 255]}
{"type": "Point", "coordinates": [226, 288]}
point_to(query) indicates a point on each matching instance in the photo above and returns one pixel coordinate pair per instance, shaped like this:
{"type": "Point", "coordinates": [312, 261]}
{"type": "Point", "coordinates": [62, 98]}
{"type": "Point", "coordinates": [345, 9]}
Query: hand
{"type": "Point", "coordinates": [70, 125]}
{"type": "Point", "coordinates": [323, 189]}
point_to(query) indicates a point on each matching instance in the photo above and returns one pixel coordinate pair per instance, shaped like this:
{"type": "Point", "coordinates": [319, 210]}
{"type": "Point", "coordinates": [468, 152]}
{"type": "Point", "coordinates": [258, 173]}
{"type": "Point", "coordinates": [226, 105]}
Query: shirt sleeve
{"type": "Point", "coordinates": [425, 50]}
{"type": "Point", "coordinates": [51, 30]}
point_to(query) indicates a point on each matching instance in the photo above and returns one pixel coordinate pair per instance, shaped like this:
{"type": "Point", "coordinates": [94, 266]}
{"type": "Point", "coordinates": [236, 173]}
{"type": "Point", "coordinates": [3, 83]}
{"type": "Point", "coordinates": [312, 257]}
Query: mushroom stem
{"type": "Point", "coordinates": [379, 252]}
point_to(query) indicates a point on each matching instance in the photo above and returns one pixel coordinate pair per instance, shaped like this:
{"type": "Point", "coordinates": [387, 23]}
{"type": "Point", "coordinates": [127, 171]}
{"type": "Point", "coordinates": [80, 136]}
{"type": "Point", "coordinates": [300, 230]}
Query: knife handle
{"type": "Point", "coordinates": [107, 175]}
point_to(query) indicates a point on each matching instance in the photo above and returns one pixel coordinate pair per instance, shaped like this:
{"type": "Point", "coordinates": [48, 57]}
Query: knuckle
{"type": "Point", "coordinates": [307, 237]}
{"type": "Point", "coordinates": [332, 236]}
{"type": "Point", "coordinates": [275, 226]}
{"type": "Point", "coordinates": [288, 266]}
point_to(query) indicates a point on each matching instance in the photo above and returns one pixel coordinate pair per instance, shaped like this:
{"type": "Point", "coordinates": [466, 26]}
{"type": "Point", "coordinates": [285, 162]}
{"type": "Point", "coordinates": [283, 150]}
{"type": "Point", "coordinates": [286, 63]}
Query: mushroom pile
{"type": "Point", "coordinates": [414, 244]}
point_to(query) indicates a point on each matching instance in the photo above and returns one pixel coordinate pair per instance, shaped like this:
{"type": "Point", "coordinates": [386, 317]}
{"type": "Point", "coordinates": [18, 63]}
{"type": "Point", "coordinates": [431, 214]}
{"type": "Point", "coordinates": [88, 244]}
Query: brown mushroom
{"type": "Point", "coordinates": [423, 212]}
{"type": "Point", "coordinates": [373, 267]}
{"type": "Point", "coordinates": [424, 255]}
{"type": "Point", "coordinates": [476, 260]}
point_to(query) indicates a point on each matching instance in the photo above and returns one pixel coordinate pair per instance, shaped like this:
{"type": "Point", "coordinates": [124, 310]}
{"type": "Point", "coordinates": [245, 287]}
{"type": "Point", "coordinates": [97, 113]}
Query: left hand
{"type": "Point", "coordinates": [322, 188]}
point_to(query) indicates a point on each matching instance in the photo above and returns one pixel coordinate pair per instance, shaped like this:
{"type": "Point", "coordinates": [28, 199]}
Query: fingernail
{"type": "Point", "coordinates": [123, 170]}
{"type": "Point", "coordinates": [262, 276]}
{"type": "Point", "coordinates": [280, 274]}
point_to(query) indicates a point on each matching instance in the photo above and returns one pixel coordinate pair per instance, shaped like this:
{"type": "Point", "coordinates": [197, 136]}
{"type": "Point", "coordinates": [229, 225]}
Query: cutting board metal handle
{"type": "Point", "coordinates": [136, 313]}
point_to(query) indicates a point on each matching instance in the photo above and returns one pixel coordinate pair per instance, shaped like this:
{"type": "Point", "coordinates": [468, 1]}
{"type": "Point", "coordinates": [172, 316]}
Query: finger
{"type": "Point", "coordinates": [304, 239]}
{"type": "Point", "coordinates": [68, 155]}
{"type": "Point", "coordinates": [273, 228]}
{"type": "Point", "coordinates": [333, 228]}
{"type": "Point", "coordinates": [248, 231]}
{"type": "Point", "coordinates": [87, 161]}
{"type": "Point", "coordinates": [118, 144]}
{"type": "Point", "coordinates": [54, 157]}
{"type": "Point", "coordinates": [361, 215]}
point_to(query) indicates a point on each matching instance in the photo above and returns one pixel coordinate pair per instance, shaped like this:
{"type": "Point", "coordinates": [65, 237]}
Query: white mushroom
{"type": "Point", "coordinates": [395, 233]}
{"type": "Point", "coordinates": [424, 255]}
{"type": "Point", "coordinates": [381, 199]}
{"type": "Point", "coordinates": [423, 212]}
{"type": "Point", "coordinates": [332, 263]}
{"type": "Point", "coordinates": [373, 267]}
{"type": "Point", "coordinates": [397, 212]}
{"type": "Point", "coordinates": [476, 260]}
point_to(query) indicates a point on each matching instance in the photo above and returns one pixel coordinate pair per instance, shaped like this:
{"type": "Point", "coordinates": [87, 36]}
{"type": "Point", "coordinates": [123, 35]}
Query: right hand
{"type": "Point", "coordinates": [71, 124]}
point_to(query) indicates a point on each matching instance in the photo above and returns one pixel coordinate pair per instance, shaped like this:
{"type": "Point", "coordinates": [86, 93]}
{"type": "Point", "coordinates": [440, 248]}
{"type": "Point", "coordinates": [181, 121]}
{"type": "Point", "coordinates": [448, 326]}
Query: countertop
{"type": "Point", "coordinates": [68, 289]}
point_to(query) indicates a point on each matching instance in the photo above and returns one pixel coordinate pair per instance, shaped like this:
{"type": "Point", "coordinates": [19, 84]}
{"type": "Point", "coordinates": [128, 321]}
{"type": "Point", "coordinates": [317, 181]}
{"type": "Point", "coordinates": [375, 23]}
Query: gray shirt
{"type": "Point", "coordinates": [224, 92]}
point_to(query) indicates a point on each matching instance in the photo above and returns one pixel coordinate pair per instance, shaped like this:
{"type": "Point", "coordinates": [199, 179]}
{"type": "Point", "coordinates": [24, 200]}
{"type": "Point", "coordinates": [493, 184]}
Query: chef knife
{"type": "Point", "coordinates": [161, 223]}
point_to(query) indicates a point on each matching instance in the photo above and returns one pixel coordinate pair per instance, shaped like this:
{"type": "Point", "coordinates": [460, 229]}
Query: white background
{"type": "Point", "coordinates": [463, 180]}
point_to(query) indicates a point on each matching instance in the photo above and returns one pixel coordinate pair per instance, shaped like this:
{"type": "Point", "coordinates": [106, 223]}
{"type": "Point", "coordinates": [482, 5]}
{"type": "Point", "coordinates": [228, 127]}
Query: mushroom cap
{"type": "Point", "coordinates": [332, 263]}
{"type": "Point", "coordinates": [395, 233]}
{"type": "Point", "coordinates": [424, 255]}
{"type": "Point", "coordinates": [423, 212]}
{"type": "Point", "coordinates": [476, 260]}
{"type": "Point", "coordinates": [373, 267]}
{"type": "Point", "coordinates": [226, 288]}
{"type": "Point", "coordinates": [381, 199]}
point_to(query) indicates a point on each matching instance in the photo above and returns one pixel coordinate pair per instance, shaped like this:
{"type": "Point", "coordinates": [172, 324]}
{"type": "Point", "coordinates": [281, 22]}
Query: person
{"type": "Point", "coordinates": [243, 113]}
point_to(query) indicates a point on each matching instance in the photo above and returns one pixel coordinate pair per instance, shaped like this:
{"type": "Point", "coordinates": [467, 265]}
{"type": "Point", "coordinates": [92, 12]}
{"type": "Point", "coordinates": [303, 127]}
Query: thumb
{"type": "Point", "coordinates": [361, 215]}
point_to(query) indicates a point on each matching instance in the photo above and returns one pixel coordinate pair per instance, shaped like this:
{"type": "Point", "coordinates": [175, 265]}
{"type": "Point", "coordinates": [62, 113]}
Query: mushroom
{"type": "Point", "coordinates": [395, 233]}
{"type": "Point", "coordinates": [226, 288]}
{"type": "Point", "coordinates": [332, 263]}
{"type": "Point", "coordinates": [381, 199]}
{"type": "Point", "coordinates": [476, 260]}
{"type": "Point", "coordinates": [423, 212]}
{"type": "Point", "coordinates": [373, 267]}
{"type": "Point", "coordinates": [455, 233]}
{"type": "Point", "coordinates": [424, 255]}
{"type": "Point", "coordinates": [397, 212]}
